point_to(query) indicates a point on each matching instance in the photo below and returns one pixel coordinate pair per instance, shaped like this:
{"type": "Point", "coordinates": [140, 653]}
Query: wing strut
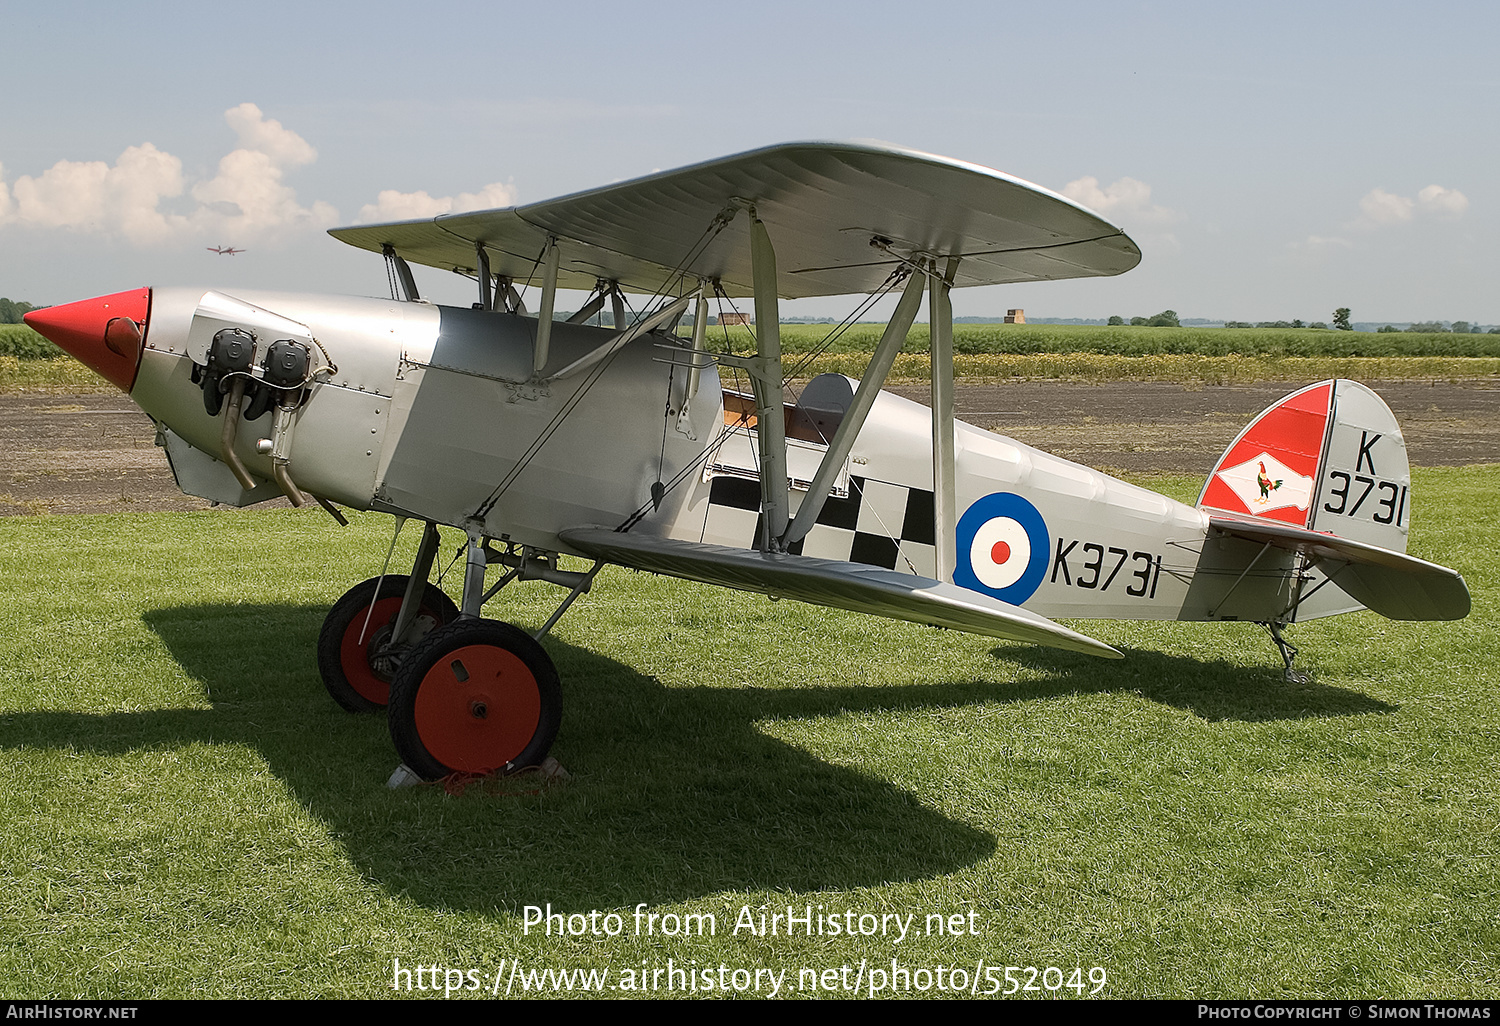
{"type": "Point", "coordinates": [766, 377]}
{"type": "Point", "coordinates": [854, 418]}
{"type": "Point", "coordinates": [549, 300]}
{"type": "Point", "coordinates": [400, 273]}
{"type": "Point", "coordinates": [944, 495]}
{"type": "Point", "coordinates": [486, 293]}
{"type": "Point", "coordinates": [668, 313]}
{"type": "Point", "coordinates": [617, 305]}
{"type": "Point", "coordinates": [507, 297]}
{"type": "Point", "coordinates": [593, 306]}
{"type": "Point", "coordinates": [700, 340]}
{"type": "Point", "coordinates": [696, 361]}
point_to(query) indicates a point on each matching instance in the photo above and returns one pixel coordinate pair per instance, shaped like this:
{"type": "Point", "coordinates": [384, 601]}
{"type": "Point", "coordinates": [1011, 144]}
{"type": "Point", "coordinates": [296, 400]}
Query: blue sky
{"type": "Point", "coordinates": [1272, 160]}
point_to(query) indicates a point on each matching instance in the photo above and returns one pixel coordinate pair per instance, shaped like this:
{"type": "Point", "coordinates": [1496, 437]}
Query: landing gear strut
{"type": "Point", "coordinates": [1288, 653]}
{"type": "Point", "coordinates": [462, 694]}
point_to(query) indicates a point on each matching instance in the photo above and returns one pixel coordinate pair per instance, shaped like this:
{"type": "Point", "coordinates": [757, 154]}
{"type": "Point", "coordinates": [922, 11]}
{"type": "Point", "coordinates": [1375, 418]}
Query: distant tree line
{"type": "Point", "coordinates": [1340, 322]}
{"type": "Point", "coordinates": [1165, 319]}
{"type": "Point", "coordinates": [1440, 327]}
{"type": "Point", "coordinates": [11, 312]}
{"type": "Point", "coordinates": [1168, 318]}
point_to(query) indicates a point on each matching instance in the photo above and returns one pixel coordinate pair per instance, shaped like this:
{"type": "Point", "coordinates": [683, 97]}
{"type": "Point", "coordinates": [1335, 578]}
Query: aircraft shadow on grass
{"type": "Point", "coordinates": [675, 794]}
{"type": "Point", "coordinates": [1217, 690]}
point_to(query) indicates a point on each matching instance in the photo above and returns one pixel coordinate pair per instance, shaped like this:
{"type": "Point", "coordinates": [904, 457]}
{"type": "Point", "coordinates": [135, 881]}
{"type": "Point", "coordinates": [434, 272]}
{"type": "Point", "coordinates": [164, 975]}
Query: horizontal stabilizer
{"type": "Point", "coordinates": [829, 582]}
{"type": "Point", "coordinates": [1392, 584]}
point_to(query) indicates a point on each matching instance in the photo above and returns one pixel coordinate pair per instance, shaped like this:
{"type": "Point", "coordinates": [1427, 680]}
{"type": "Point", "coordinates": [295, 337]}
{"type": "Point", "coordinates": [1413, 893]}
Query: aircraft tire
{"type": "Point", "coordinates": [344, 648]}
{"type": "Point", "coordinates": [475, 697]}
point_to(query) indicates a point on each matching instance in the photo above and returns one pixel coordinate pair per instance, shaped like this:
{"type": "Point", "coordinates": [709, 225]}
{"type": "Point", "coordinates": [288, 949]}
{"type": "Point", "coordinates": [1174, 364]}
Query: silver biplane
{"type": "Point", "coordinates": [538, 438]}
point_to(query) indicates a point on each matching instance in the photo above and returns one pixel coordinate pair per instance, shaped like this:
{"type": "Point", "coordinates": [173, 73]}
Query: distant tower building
{"type": "Point", "coordinates": [734, 318]}
{"type": "Point", "coordinates": [1015, 317]}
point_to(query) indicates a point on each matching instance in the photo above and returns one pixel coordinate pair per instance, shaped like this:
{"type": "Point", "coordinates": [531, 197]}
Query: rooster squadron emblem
{"type": "Point", "coordinates": [1267, 486]}
{"type": "Point", "coordinates": [1262, 484]}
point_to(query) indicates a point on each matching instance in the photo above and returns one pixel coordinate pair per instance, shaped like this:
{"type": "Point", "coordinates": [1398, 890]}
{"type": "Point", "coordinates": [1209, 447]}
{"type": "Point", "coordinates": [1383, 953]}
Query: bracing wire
{"type": "Point", "coordinates": [896, 277]}
{"type": "Point", "coordinates": [390, 277]}
{"type": "Point", "coordinates": [710, 233]}
{"type": "Point", "coordinates": [697, 464]}
{"type": "Point", "coordinates": [532, 273]}
{"type": "Point", "coordinates": [726, 431]}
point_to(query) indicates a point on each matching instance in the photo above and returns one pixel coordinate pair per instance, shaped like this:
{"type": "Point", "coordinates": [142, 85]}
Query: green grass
{"type": "Point", "coordinates": [186, 813]}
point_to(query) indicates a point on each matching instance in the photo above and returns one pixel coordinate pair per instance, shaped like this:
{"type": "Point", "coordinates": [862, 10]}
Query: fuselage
{"type": "Point", "coordinates": [436, 413]}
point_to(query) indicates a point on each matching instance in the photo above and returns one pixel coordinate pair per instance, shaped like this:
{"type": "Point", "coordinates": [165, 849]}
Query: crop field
{"type": "Point", "coordinates": [1134, 340]}
{"type": "Point", "coordinates": [187, 814]}
{"type": "Point", "coordinates": [1001, 352]}
{"type": "Point", "coordinates": [19, 341]}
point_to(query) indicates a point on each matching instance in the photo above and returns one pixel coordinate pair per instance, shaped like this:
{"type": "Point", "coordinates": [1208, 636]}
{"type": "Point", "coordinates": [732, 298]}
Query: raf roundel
{"type": "Point", "coordinates": [1003, 546]}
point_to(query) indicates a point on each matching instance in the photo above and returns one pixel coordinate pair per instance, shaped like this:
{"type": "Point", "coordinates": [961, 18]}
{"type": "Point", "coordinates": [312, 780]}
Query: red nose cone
{"type": "Point", "coordinates": [105, 334]}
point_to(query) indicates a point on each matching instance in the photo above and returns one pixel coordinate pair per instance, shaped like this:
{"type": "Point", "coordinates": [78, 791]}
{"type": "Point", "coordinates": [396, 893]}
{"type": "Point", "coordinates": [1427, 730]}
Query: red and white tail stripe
{"type": "Point", "coordinates": [1271, 469]}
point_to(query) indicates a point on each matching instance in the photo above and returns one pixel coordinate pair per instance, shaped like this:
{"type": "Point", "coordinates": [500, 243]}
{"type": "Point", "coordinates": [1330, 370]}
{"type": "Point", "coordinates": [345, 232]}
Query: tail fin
{"type": "Point", "coordinates": [1328, 458]}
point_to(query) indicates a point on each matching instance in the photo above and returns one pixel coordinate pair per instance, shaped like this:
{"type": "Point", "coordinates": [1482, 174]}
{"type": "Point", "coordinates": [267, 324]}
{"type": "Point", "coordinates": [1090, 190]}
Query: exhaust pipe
{"type": "Point", "coordinates": [226, 436]}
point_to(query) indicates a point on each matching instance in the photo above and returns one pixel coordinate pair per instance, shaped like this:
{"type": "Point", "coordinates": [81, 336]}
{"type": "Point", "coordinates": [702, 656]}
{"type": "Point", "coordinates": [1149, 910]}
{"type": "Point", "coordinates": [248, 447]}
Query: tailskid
{"type": "Point", "coordinates": [1288, 653]}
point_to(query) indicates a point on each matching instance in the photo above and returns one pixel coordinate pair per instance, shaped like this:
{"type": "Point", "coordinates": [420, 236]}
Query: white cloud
{"type": "Point", "coordinates": [1379, 208]}
{"type": "Point", "coordinates": [1324, 242]}
{"type": "Point", "coordinates": [247, 198]}
{"type": "Point", "coordinates": [1444, 202]}
{"type": "Point", "coordinates": [391, 205]}
{"type": "Point", "coordinates": [1317, 248]}
{"type": "Point", "coordinates": [1127, 199]}
{"type": "Point", "coordinates": [285, 147]}
{"type": "Point", "coordinates": [92, 195]}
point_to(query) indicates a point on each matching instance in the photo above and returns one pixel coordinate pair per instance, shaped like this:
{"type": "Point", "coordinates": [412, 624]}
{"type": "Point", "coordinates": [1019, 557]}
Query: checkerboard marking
{"type": "Point", "coordinates": [880, 524]}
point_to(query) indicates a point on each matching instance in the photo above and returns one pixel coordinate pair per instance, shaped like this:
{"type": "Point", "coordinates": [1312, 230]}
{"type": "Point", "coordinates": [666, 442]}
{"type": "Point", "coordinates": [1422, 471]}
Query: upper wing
{"type": "Point", "coordinates": [822, 204]}
{"type": "Point", "coordinates": [829, 582]}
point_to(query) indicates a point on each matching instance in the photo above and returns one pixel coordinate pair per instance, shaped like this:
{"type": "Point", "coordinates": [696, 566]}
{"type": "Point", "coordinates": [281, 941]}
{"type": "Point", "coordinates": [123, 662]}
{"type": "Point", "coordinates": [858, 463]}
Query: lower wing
{"type": "Point", "coordinates": [830, 582]}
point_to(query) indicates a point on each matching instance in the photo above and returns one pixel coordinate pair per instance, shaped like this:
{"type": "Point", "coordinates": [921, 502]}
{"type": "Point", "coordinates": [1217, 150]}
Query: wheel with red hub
{"type": "Point", "coordinates": [355, 655]}
{"type": "Point", "coordinates": [475, 697]}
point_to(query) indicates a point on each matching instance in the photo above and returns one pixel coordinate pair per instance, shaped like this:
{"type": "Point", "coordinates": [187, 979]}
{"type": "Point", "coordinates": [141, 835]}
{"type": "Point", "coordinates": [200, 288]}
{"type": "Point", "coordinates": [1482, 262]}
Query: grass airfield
{"type": "Point", "coordinates": [187, 814]}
